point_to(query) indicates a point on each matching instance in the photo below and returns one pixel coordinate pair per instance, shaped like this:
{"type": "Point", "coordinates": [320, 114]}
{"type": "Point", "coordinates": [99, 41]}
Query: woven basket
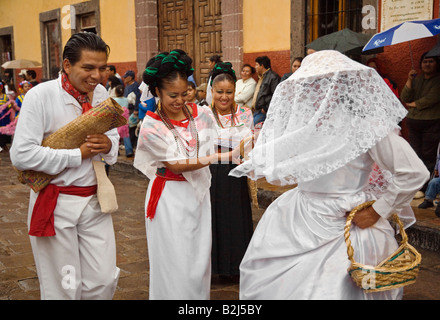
{"type": "Point", "coordinates": [398, 270]}
{"type": "Point", "coordinates": [105, 116]}
{"type": "Point", "coordinates": [252, 184]}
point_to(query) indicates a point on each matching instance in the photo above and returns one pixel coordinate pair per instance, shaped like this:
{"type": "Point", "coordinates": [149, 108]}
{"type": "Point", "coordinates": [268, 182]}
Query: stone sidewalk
{"type": "Point", "coordinates": [18, 280]}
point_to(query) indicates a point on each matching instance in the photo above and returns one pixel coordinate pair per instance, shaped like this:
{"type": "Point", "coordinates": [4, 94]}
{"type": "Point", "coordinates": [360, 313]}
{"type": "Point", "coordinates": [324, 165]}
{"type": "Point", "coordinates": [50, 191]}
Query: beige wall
{"type": "Point", "coordinates": [23, 16]}
{"type": "Point", "coordinates": [266, 25]}
{"type": "Point", "coordinates": [117, 26]}
{"type": "Point", "coordinates": [118, 29]}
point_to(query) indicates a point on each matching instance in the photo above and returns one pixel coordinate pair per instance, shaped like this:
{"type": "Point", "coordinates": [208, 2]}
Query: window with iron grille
{"type": "Point", "coordinates": [327, 16]}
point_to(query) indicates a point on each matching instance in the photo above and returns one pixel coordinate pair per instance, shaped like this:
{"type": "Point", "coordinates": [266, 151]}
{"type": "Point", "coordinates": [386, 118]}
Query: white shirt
{"type": "Point", "coordinates": [244, 91]}
{"type": "Point", "coordinates": [47, 108]}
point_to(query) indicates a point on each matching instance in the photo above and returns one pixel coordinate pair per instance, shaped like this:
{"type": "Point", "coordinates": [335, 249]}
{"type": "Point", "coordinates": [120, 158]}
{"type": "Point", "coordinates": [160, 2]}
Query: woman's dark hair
{"type": "Point", "coordinates": [249, 66]}
{"type": "Point", "coordinates": [119, 90]}
{"type": "Point", "coordinates": [165, 68]}
{"type": "Point", "coordinates": [83, 41]}
{"type": "Point", "coordinates": [114, 81]}
{"type": "Point", "coordinates": [31, 73]}
{"type": "Point", "coordinates": [223, 71]}
{"type": "Point", "coordinates": [215, 58]}
{"type": "Point", "coordinates": [264, 61]}
{"type": "Point", "coordinates": [192, 85]}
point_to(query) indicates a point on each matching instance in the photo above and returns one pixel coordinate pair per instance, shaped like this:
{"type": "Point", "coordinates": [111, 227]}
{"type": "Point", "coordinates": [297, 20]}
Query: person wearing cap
{"type": "Point", "coordinates": [201, 95]}
{"type": "Point", "coordinates": [421, 96]}
{"type": "Point", "coordinates": [131, 86]}
{"type": "Point", "coordinates": [22, 75]}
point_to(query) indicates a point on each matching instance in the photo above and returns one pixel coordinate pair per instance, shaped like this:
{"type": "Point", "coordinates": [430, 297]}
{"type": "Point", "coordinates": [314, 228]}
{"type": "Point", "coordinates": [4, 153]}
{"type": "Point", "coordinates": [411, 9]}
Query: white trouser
{"type": "Point", "coordinates": [79, 262]}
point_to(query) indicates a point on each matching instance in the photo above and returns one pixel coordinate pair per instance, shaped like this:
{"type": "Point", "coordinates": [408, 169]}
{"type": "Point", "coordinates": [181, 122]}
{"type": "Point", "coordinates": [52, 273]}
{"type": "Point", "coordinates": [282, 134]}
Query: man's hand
{"type": "Point", "coordinates": [366, 218]}
{"type": "Point", "coordinates": [95, 143]}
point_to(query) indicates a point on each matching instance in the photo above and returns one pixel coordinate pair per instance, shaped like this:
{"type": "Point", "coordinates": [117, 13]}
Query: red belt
{"type": "Point", "coordinates": [42, 221]}
{"type": "Point", "coordinates": [162, 176]}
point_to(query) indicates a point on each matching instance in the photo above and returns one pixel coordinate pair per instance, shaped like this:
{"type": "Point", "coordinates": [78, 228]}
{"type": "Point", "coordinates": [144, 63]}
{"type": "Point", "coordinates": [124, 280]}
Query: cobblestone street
{"type": "Point", "coordinates": [18, 279]}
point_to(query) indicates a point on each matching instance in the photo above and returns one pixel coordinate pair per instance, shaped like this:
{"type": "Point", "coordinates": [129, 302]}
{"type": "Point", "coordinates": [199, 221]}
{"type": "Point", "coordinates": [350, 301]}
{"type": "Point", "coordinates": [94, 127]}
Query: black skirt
{"type": "Point", "coordinates": [232, 225]}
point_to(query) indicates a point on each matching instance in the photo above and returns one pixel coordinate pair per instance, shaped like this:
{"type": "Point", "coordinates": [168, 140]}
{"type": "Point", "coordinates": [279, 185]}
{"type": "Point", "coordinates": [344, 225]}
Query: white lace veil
{"type": "Point", "coordinates": [330, 111]}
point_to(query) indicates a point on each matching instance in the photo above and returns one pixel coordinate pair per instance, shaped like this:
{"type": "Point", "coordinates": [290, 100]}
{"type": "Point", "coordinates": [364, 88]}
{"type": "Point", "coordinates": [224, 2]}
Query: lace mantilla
{"type": "Point", "coordinates": [330, 111]}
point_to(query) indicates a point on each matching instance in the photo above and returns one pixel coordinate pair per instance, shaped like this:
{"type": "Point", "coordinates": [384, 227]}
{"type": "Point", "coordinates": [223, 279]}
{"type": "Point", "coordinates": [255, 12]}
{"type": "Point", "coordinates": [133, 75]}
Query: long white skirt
{"type": "Point", "coordinates": [179, 244]}
{"type": "Point", "coordinates": [298, 250]}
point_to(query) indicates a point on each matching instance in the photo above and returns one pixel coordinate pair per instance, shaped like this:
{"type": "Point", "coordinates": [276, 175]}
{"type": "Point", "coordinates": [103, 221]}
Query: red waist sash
{"type": "Point", "coordinates": [42, 220]}
{"type": "Point", "coordinates": [162, 176]}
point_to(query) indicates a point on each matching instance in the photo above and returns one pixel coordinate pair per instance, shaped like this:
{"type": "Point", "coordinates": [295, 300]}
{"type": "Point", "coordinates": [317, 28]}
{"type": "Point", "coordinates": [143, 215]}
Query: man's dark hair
{"type": "Point", "coordinates": [264, 61]}
{"type": "Point", "coordinates": [83, 41]}
{"type": "Point", "coordinates": [31, 73]}
{"type": "Point", "coordinates": [111, 68]}
{"type": "Point", "coordinates": [215, 58]}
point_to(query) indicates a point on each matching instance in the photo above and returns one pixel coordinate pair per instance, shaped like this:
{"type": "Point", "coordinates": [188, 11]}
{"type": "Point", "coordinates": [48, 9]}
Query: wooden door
{"type": "Point", "coordinates": [193, 26]}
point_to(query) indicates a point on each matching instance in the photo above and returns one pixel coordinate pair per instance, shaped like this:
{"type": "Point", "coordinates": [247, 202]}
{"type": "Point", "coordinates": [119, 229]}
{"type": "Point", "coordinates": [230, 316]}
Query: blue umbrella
{"type": "Point", "coordinates": [404, 32]}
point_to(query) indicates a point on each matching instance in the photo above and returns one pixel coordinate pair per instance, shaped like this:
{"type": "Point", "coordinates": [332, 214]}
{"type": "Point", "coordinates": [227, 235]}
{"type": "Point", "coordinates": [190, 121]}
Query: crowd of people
{"type": "Point", "coordinates": [331, 126]}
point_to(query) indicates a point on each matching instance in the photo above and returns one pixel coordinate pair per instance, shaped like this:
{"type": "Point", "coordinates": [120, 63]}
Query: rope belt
{"type": "Point", "coordinates": [42, 221]}
{"type": "Point", "coordinates": [162, 176]}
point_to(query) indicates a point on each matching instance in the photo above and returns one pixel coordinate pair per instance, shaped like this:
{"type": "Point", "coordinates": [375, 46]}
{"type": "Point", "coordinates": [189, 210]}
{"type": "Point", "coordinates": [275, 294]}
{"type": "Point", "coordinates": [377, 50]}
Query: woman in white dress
{"type": "Point", "coordinates": [175, 148]}
{"type": "Point", "coordinates": [329, 125]}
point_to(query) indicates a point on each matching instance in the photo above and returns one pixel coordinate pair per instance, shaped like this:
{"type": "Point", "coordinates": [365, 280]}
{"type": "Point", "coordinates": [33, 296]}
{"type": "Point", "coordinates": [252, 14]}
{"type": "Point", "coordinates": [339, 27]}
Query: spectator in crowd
{"type": "Point", "coordinates": [191, 93]}
{"type": "Point", "coordinates": [266, 85]}
{"type": "Point", "coordinates": [295, 66]}
{"type": "Point", "coordinates": [201, 95]}
{"type": "Point", "coordinates": [131, 85]}
{"type": "Point", "coordinates": [22, 76]}
{"type": "Point", "coordinates": [24, 87]}
{"type": "Point", "coordinates": [421, 95]}
{"type": "Point", "coordinates": [191, 79]}
{"type": "Point", "coordinates": [133, 121]}
{"type": "Point", "coordinates": [31, 76]}
{"type": "Point", "coordinates": [124, 130]}
{"type": "Point", "coordinates": [111, 71]}
{"type": "Point", "coordinates": [433, 189]}
{"type": "Point", "coordinates": [245, 87]}
{"type": "Point", "coordinates": [213, 60]}
{"type": "Point", "coordinates": [378, 66]}
{"type": "Point", "coordinates": [112, 83]}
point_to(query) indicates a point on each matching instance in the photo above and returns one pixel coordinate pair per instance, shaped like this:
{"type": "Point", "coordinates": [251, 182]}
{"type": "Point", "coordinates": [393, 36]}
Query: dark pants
{"type": "Point", "coordinates": [424, 137]}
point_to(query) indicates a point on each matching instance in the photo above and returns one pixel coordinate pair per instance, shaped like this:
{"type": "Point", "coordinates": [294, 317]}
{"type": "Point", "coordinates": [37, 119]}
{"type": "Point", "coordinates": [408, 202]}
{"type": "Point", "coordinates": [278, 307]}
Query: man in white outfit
{"type": "Point", "coordinates": [75, 256]}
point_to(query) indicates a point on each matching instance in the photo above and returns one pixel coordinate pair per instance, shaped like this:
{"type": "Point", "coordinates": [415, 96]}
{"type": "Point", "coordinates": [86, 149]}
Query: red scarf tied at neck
{"type": "Point", "coordinates": [82, 98]}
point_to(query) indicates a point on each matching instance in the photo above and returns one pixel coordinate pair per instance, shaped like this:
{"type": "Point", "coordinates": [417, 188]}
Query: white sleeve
{"type": "Point", "coordinates": [27, 152]}
{"type": "Point", "coordinates": [393, 153]}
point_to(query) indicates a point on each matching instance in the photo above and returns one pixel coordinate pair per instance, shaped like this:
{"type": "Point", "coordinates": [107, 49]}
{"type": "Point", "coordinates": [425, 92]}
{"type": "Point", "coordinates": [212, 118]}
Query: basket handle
{"type": "Point", "coordinates": [350, 217]}
{"type": "Point", "coordinates": [242, 143]}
